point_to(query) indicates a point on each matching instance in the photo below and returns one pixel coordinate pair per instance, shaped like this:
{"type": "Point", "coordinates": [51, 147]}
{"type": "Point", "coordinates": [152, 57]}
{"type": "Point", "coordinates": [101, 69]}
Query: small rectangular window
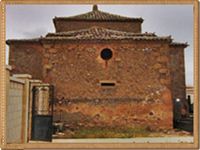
{"type": "Point", "coordinates": [107, 84]}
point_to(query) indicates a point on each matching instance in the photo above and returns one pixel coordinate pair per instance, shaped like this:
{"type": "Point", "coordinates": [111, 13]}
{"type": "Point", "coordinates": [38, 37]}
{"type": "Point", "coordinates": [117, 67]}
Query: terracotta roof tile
{"type": "Point", "coordinates": [179, 44]}
{"type": "Point", "coordinates": [23, 40]}
{"type": "Point", "coordinates": [95, 33]}
{"type": "Point", "coordinates": [99, 33]}
{"type": "Point", "coordinates": [98, 15]}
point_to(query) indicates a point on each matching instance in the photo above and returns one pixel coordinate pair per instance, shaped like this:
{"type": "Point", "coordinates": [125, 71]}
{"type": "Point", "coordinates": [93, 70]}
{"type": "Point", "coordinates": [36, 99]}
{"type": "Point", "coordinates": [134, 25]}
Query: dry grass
{"type": "Point", "coordinates": [110, 133]}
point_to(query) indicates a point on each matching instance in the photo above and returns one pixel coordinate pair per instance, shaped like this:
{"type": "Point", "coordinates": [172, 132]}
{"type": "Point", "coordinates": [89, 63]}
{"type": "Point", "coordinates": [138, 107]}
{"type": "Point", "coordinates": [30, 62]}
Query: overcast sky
{"type": "Point", "coordinates": [31, 21]}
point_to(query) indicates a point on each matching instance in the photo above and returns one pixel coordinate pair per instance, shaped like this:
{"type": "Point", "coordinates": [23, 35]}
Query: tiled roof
{"type": "Point", "coordinates": [95, 33]}
{"type": "Point", "coordinates": [179, 44]}
{"type": "Point", "coordinates": [100, 33]}
{"type": "Point", "coordinates": [98, 15]}
{"type": "Point", "coordinates": [23, 40]}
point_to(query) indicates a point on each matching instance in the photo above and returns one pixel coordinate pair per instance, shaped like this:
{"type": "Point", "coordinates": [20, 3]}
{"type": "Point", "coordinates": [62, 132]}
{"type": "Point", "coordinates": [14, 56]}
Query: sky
{"type": "Point", "coordinates": [32, 21]}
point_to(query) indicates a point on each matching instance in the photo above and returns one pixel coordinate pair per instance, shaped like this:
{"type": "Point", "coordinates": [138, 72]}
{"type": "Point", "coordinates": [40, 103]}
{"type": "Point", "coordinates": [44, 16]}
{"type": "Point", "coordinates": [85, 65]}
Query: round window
{"type": "Point", "coordinates": [106, 54]}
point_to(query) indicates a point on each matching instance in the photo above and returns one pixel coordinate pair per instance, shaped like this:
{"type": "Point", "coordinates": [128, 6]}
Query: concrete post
{"type": "Point", "coordinates": [8, 69]}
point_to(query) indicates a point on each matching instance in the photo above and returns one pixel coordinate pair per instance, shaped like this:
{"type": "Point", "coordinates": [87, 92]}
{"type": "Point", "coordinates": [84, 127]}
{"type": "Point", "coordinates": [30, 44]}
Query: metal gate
{"type": "Point", "coordinates": [42, 112]}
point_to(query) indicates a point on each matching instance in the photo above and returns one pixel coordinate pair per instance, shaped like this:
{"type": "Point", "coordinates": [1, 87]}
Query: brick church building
{"type": "Point", "coordinates": [106, 71]}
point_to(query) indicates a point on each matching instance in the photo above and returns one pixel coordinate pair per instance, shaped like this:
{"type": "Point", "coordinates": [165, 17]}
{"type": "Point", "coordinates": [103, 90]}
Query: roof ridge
{"type": "Point", "coordinates": [96, 14]}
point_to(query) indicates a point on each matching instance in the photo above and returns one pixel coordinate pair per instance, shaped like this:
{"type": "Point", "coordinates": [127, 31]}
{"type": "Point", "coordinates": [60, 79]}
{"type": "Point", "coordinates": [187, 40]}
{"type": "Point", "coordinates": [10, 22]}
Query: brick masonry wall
{"type": "Point", "coordinates": [115, 113]}
{"type": "Point", "coordinates": [140, 70]}
{"type": "Point", "coordinates": [178, 78]}
{"type": "Point", "coordinates": [62, 26]}
{"type": "Point", "coordinates": [26, 58]}
{"type": "Point", "coordinates": [14, 112]}
{"type": "Point", "coordinates": [136, 70]}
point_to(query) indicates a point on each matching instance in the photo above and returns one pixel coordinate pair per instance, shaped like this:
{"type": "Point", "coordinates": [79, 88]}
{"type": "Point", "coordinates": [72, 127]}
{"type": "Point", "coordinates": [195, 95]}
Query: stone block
{"type": "Point", "coordinates": [165, 81]}
{"type": "Point", "coordinates": [157, 66]}
{"type": "Point", "coordinates": [163, 70]}
{"type": "Point", "coordinates": [163, 59]}
{"type": "Point", "coordinates": [46, 45]}
{"type": "Point", "coordinates": [53, 50]}
{"type": "Point", "coordinates": [155, 54]}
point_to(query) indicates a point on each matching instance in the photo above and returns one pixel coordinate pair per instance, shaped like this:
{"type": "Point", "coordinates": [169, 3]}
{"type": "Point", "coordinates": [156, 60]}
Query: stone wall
{"type": "Point", "coordinates": [115, 113]}
{"type": "Point", "coordinates": [139, 69]}
{"type": "Point", "coordinates": [63, 26]}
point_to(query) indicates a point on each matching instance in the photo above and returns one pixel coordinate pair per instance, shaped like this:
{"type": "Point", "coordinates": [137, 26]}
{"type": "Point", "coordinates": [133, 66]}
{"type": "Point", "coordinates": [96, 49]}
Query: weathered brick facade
{"type": "Point", "coordinates": [178, 78]}
{"type": "Point", "coordinates": [137, 86]}
{"type": "Point", "coordinates": [129, 26]}
{"type": "Point", "coordinates": [26, 57]}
